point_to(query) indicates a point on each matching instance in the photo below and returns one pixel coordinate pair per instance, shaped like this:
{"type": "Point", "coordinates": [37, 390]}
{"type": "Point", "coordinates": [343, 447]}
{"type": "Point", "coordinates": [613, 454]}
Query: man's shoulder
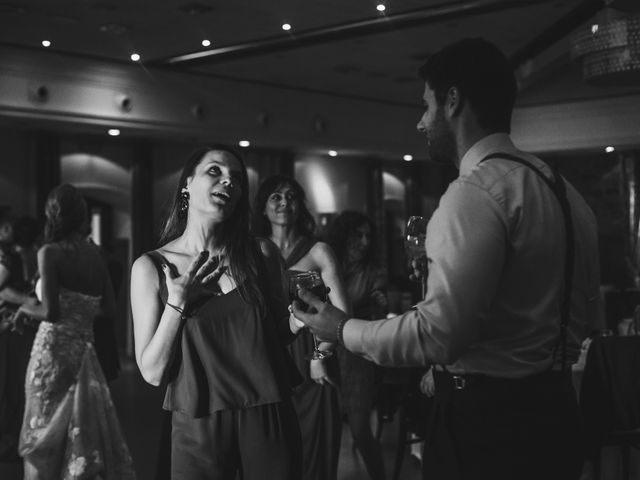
{"type": "Point", "coordinates": [498, 170]}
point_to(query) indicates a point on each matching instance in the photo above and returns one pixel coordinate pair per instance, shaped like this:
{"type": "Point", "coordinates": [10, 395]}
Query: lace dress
{"type": "Point", "coordinates": [70, 429]}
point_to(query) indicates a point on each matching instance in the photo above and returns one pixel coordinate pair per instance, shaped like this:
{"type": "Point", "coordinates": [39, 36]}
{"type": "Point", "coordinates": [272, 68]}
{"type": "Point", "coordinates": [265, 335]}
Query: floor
{"type": "Point", "coordinates": [138, 406]}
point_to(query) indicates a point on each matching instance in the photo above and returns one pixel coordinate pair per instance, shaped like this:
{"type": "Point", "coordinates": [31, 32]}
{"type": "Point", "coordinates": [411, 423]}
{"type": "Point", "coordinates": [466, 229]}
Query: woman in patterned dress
{"type": "Point", "coordinates": [70, 429]}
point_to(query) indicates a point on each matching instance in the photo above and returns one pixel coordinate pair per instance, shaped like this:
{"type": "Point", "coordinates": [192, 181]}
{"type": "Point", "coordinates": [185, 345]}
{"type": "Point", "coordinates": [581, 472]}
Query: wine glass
{"type": "Point", "coordinates": [415, 234]}
{"type": "Point", "coordinates": [312, 282]}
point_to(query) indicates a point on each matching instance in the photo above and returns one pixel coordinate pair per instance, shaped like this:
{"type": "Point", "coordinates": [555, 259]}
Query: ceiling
{"type": "Point", "coordinates": [345, 47]}
{"type": "Point", "coordinates": [341, 48]}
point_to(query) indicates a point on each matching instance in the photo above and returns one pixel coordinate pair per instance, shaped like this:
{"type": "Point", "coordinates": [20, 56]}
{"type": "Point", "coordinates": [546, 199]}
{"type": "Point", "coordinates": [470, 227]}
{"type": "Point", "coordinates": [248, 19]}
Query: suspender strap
{"type": "Point", "coordinates": [559, 189]}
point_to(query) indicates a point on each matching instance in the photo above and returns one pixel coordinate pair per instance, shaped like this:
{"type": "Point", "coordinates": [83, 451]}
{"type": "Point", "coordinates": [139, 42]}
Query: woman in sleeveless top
{"type": "Point", "coordinates": [70, 427]}
{"type": "Point", "coordinates": [281, 215]}
{"type": "Point", "coordinates": [211, 323]}
{"type": "Point", "coordinates": [352, 236]}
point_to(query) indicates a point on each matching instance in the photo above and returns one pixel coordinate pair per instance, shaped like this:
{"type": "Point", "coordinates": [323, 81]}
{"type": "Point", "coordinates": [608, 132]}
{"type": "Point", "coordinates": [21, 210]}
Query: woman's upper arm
{"type": "Point", "coordinates": [331, 276]}
{"type": "Point", "coordinates": [48, 258]}
{"type": "Point", "coordinates": [145, 302]}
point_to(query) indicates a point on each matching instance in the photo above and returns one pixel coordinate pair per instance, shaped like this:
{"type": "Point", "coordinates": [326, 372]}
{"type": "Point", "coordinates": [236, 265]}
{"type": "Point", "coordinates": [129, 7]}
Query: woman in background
{"type": "Point", "coordinates": [282, 216]}
{"type": "Point", "coordinates": [211, 321]}
{"type": "Point", "coordinates": [70, 428]}
{"type": "Point", "coordinates": [352, 236]}
{"type": "Point", "coordinates": [15, 344]}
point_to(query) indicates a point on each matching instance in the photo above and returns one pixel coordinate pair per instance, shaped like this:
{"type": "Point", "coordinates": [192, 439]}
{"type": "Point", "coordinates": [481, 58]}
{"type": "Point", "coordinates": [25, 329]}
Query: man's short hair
{"type": "Point", "coordinates": [483, 75]}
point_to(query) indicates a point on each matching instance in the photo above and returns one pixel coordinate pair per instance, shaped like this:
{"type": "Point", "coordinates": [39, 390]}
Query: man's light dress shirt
{"type": "Point", "coordinates": [495, 248]}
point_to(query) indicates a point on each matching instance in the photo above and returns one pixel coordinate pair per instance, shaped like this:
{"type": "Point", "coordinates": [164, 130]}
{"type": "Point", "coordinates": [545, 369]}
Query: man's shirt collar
{"type": "Point", "coordinates": [483, 147]}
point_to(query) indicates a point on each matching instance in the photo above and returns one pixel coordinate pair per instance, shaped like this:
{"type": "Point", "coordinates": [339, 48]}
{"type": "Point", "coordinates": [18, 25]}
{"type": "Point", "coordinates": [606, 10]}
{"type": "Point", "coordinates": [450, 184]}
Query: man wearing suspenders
{"type": "Point", "coordinates": [513, 288]}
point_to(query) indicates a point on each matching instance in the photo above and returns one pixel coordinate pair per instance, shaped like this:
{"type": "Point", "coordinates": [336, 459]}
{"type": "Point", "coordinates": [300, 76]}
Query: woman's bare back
{"type": "Point", "coordinates": [81, 267]}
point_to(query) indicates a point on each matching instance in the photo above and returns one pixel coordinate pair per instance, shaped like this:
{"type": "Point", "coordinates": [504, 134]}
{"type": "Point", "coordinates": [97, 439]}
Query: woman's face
{"type": "Point", "coordinates": [282, 207]}
{"type": "Point", "coordinates": [358, 243]}
{"type": "Point", "coordinates": [215, 187]}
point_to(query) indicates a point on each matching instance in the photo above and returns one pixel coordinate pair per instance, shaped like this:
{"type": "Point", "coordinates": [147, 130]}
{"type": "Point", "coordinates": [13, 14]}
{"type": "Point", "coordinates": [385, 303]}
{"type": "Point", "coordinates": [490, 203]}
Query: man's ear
{"type": "Point", "coordinates": [453, 102]}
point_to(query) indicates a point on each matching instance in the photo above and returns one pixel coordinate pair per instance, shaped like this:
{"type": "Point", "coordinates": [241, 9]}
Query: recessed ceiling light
{"type": "Point", "coordinates": [135, 57]}
{"type": "Point", "coordinates": [380, 7]}
{"type": "Point", "coordinates": [244, 143]}
{"type": "Point", "coordinates": [407, 158]}
{"type": "Point", "coordinates": [46, 43]}
{"type": "Point", "coordinates": [594, 28]}
{"type": "Point", "coordinates": [610, 149]}
{"type": "Point", "coordinates": [333, 153]}
{"type": "Point", "coordinates": [206, 43]}
{"type": "Point", "coordinates": [286, 27]}
{"type": "Point", "coordinates": [114, 132]}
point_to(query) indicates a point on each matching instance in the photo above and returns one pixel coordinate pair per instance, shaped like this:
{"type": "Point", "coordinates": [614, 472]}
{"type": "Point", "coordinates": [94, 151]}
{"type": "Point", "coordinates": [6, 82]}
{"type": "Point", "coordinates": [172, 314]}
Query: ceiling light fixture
{"type": "Point", "coordinates": [610, 149]}
{"type": "Point", "coordinates": [610, 49]}
{"type": "Point", "coordinates": [135, 57]}
{"type": "Point", "coordinates": [286, 27]}
{"type": "Point", "coordinates": [206, 43]}
{"type": "Point", "coordinates": [46, 43]}
{"type": "Point", "coordinates": [114, 132]}
{"type": "Point", "coordinates": [333, 153]}
{"type": "Point", "coordinates": [244, 143]}
{"type": "Point", "coordinates": [407, 158]}
{"type": "Point", "coordinates": [380, 7]}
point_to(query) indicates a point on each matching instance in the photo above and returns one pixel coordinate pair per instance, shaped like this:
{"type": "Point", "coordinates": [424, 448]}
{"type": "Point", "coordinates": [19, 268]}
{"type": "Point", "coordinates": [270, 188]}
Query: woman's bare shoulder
{"type": "Point", "coordinates": [267, 247]}
{"type": "Point", "coordinates": [322, 254]}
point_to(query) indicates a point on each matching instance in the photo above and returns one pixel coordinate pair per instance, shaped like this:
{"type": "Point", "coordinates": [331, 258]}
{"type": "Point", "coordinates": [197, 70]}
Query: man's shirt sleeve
{"type": "Point", "coordinates": [466, 247]}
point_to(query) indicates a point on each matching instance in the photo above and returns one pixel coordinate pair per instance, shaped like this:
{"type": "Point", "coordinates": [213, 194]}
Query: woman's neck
{"type": "Point", "coordinates": [199, 237]}
{"type": "Point", "coordinates": [284, 236]}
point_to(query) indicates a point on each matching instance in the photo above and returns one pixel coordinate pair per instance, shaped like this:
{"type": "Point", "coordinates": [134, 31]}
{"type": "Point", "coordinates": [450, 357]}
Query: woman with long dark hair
{"type": "Point", "coordinates": [70, 428]}
{"type": "Point", "coordinates": [282, 216]}
{"type": "Point", "coordinates": [211, 322]}
{"type": "Point", "coordinates": [352, 236]}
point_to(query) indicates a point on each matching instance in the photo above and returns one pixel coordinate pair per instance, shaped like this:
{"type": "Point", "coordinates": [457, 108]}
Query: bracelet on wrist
{"type": "Point", "coordinates": [183, 316]}
{"type": "Point", "coordinates": [340, 331]}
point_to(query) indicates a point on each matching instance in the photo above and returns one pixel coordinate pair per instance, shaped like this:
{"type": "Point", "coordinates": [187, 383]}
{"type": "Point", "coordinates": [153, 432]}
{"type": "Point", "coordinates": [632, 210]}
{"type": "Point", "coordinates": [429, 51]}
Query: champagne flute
{"type": "Point", "coordinates": [313, 282]}
{"type": "Point", "coordinates": [415, 234]}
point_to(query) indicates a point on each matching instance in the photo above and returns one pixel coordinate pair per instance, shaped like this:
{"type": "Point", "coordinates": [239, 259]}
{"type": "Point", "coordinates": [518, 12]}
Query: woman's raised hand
{"type": "Point", "coordinates": [201, 275]}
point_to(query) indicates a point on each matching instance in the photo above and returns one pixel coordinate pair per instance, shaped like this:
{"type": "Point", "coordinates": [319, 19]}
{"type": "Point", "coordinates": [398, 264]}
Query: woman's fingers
{"type": "Point", "coordinates": [206, 268]}
{"type": "Point", "coordinates": [215, 275]}
{"type": "Point", "coordinates": [196, 263]}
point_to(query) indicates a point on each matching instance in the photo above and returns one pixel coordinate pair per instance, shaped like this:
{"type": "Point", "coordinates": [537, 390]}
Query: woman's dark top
{"type": "Point", "coordinates": [230, 355]}
{"type": "Point", "coordinates": [303, 346]}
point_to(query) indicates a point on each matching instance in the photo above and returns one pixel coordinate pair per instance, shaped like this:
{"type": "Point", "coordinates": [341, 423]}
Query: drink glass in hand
{"type": "Point", "coordinates": [415, 235]}
{"type": "Point", "coordinates": [312, 282]}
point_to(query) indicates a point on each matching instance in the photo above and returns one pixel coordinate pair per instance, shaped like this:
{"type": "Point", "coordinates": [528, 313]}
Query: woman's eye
{"type": "Point", "coordinates": [275, 198]}
{"type": "Point", "coordinates": [214, 171]}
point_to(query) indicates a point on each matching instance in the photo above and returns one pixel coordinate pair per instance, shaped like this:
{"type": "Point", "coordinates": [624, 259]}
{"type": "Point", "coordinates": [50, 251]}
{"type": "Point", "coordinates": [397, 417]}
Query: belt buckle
{"type": "Point", "coordinates": [459, 382]}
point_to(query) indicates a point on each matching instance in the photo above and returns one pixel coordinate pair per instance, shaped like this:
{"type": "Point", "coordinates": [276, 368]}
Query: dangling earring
{"type": "Point", "coordinates": [184, 202]}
